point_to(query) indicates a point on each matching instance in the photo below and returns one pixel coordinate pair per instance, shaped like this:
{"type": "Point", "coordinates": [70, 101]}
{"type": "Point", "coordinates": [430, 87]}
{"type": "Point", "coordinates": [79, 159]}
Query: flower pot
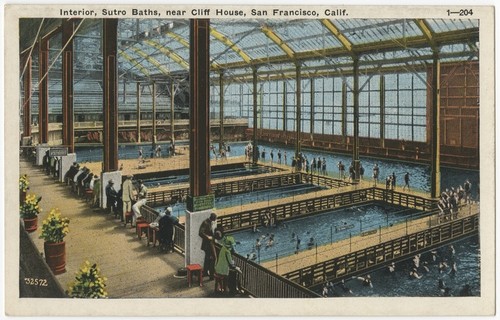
{"type": "Point", "coordinates": [55, 256]}
{"type": "Point", "coordinates": [30, 224]}
{"type": "Point", "coordinates": [22, 196]}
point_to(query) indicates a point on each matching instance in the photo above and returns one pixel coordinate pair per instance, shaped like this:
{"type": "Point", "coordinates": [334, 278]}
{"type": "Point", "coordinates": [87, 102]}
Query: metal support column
{"type": "Point", "coordinates": [43, 91]}
{"type": "Point", "coordinates": [382, 111]}
{"type": "Point", "coordinates": [255, 152]}
{"type": "Point", "coordinates": [110, 94]}
{"type": "Point", "coordinates": [284, 106]}
{"type": "Point", "coordinates": [172, 113]}
{"type": "Point", "coordinates": [298, 119]}
{"type": "Point", "coordinates": [355, 145]}
{"type": "Point", "coordinates": [199, 119]}
{"type": "Point", "coordinates": [344, 113]}
{"type": "Point", "coordinates": [138, 112]}
{"type": "Point", "coordinates": [311, 130]}
{"type": "Point", "coordinates": [153, 94]}
{"type": "Point", "coordinates": [67, 85]}
{"type": "Point", "coordinates": [221, 110]}
{"type": "Point", "coordinates": [27, 97]}
{"type": "Point", "coordinates": [435, 128]}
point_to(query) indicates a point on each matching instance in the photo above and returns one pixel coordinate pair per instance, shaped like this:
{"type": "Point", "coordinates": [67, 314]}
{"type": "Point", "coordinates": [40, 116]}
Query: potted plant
{"type": "Point", "coordinates": [29, 210]}
{"type": "Point", "coordinates": [54, 229]}
{"type": "Point", "coordinates": [23, 187]}
{"type": "Point", "coordinates": [88, 283]}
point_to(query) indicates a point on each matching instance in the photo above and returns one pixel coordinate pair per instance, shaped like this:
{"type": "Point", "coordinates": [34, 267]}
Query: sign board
{"type": "Point", "coordinates": [58, 151]}
{"type": "Point", "coordinates": [200, 203]}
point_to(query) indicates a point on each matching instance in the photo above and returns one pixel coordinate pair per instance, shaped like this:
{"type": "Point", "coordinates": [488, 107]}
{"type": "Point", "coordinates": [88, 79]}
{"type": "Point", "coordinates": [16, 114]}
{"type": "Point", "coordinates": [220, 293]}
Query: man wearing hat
{"type": "Point", "coordinates": [166, 226]}
{"type": "Point", "coordinates": [206, 233]}
{"type": "Point", "coordinates": [111, 196]}
{"type": "Point", "coordinates": [136, 208]}
{"type": "Point", "coordinates": [143, 190]}
{"type": "Point", "coordinates": [127, 195]}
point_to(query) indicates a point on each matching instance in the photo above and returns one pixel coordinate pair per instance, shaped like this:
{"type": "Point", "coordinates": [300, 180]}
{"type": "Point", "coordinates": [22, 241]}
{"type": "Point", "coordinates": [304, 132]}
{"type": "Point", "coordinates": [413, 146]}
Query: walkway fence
{"type": "Point", "coordinates": [312, 206]}
{"type": "Point", "coordinates": [372, 257]}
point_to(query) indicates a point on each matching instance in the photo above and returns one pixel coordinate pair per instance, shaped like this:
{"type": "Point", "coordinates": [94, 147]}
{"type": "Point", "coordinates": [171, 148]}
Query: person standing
{"type": "Point", "coordinates": [279, 156]}
{"type": "Point", "coordinates": [127, 195]}
{"type": "Point", "coordinates": [407, 181]}
{"type": "Point", "coordinates": [111, 197]}
{"type": "Point", "coordinates": [143, 190]}
{"type": "Point", "coordinates": [166, 227]}
{"type": "Point", "coordinates": [323, 166]}
{"type": "Point", "coordinates": [393, 181]}
{"type": "Point", "coordinates": [96, 190]}
{"type": "Point", "coordinates": [224, 260]}
{"type": "Point", "coordinates": [206, 233]}
{"type": "Point", "coordinates": [284, 157]}
{"type": "Point", "coordinates": [136, 208]}
{"type": "Point", "coordinates": [376, 172]}
{"type": "Point", "coordinates": [341, 167]}
{"type": "Point", "coordinates": [272, 156]}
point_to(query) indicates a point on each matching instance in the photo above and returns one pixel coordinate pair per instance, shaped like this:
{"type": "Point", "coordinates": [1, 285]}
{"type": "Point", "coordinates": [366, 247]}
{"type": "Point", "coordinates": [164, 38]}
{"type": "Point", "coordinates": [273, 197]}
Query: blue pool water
{"type": "Point", "coordinates": [320, 227]}
{"type": "Point", "coordinates": [419, 173]}
{"type": "Point", "coordinates": [399, 284]}
{"type": "Point", "coordinates": [256, 196]}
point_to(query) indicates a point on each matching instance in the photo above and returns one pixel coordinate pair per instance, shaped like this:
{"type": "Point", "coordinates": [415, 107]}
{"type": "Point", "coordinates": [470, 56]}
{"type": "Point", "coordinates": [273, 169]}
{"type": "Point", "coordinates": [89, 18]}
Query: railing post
{"type": "Point", "coordinates": [316, 252]}
{"type": "Point", "coordinates": [276, 263]}
{"type": "Point", "coordinates": [350, 241]}
{"type": "Point", "coordinates": [379, 234]}
{"type": "Point", "coordinates": [331, 234]}
{"type": "Point", "coordinates": [406, 226]}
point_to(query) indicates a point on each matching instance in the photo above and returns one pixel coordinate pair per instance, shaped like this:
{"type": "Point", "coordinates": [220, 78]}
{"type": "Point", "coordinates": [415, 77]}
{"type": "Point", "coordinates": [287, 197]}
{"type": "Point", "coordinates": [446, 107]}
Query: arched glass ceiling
{"type": "Point", "coordinates": [158, 47]}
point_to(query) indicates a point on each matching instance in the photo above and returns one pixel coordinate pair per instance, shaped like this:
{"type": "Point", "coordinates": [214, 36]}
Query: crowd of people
{"type": "Point", "coordinates": [451, 199]}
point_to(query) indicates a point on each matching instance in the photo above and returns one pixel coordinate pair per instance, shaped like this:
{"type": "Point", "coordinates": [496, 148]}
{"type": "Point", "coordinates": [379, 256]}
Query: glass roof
{"type": "Point", "coordinates": [159, 47]}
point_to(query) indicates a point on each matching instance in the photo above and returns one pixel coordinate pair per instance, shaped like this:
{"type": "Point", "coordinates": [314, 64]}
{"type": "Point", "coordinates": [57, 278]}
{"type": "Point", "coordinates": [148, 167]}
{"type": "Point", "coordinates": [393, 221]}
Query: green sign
{"type": "Point", "coordinates": [200, 203]}
{"type": "Point", "coordinates": [58, 151]}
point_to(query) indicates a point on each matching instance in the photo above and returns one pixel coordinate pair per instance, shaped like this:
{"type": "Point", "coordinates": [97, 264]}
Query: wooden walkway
{"type": "Point", "coordinates": [133, 270]}
{"type": "Point", "coordinates": [339, 248]}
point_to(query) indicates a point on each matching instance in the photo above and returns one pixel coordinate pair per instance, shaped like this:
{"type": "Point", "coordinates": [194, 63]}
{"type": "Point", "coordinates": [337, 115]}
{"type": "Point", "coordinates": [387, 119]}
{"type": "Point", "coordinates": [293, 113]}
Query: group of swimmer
{"type": "Point", "coordinates": [444, 262]}
{"type": "Point", "coordinates": [451, 199]}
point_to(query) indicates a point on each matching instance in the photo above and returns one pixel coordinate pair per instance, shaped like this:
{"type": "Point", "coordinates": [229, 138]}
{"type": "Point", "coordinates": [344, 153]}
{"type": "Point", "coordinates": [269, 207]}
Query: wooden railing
{"type": "Point", "coordinates": [323, 181]}
{"type": "Point", "coordinates": [302, 208]}
{"type": "Point", "coordinates": [403, 199]}
{"type": "Point", "coordinates": [167, 197]}
{"type": "Point", "coordinates": [364, 260]}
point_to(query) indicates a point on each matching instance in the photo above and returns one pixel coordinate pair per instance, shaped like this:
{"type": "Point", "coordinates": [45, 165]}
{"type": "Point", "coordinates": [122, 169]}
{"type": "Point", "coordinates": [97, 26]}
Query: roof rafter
{"type": "Point", "coordinates": [134, 62]}
{"type": "Point", "coordinates": [276, 39]}
{"type": "Point", "coordinates": [151, 60]}
{"type": "Point", "coordinates": [172, 55]}
{"type": "Point", "coordinates": [427, 31]}
{"type": "Point", "coordinates": [338, 34]}
{"type": "Point", "coordinates": [226, 41]}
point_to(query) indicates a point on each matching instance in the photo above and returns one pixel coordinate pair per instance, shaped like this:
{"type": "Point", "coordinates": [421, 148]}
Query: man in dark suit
{"type": "Point", "coordinates": [206, 233]}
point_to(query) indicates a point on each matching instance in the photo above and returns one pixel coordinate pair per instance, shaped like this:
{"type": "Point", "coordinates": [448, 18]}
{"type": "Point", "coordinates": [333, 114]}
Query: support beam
{"type": "Point", "coordinates": [67, 85]}
{"type": "Point", "coordinates": [284, 106]}
{"type": "Point", "coordinates": [298, 92]}
{"type": "Point", "coordinates": [172, 113]}
{"type": "Point", "coordinates": [382, 111]}
{"type": "Point", "coordinates": [221, 111]}
{"type": "Point", "coordinates": [138, 94]}
{"type": "Point", "coordinates": [344, 113]}
{"type": "Point", "coordinates": [435, 129]}
{"type": "Point", "coordinates": [255, 152]}
{"type": "Point", "coordinates": [311, 122]}
{"type": "Point", "coordinates": [27, 96]}
{"type": "Point", "coordinates": [355, 144]}
{"type": "Point", "coordinates": [110, 94]}
{"type": "Point", "coordinates": [153, 95]}
{"type": "Point", "coordinates": [199, 120]}
{"type": "Point", "coordinates": [43, 90]}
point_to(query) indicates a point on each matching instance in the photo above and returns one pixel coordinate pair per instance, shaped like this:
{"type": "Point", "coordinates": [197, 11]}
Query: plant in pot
{"type": "Point", "coordinates": [24, 185]}
{"type": "Point", "coordinates": [54, 229]}
{"type": "Point", "coordinates": [88, 283]}
{"type": "Point", "coordinates": [29, 210]}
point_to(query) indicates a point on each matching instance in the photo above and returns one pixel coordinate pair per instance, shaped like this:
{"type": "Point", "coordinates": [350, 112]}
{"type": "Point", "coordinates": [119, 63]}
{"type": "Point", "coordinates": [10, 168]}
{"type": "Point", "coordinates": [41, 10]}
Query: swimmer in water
{"type": "Point", "coordinates": [441, 285]}
{"type": "Point", "coordinates": [311, 242]}
{"type": "Point", "coordinates": [442, 266]}
{"type": "Point", "coordinates": [344, 288]}
{"type": "Point", "coordinates": [453, 270]}
{"type": "Point", "coordinates": [434, 255]}
{"type": "Point", "coordinates": [414, 274]}
{"type": "Point", "coordinates": [254, 228]}
{"type": "Point", "coordinates": [367, 281]}
{"type": "Point", "coordinates": [425, 266]}
{"type": "Point", "coordinates": [392, 268]}
{"type": "Point", "coordinates": [257, 243]}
